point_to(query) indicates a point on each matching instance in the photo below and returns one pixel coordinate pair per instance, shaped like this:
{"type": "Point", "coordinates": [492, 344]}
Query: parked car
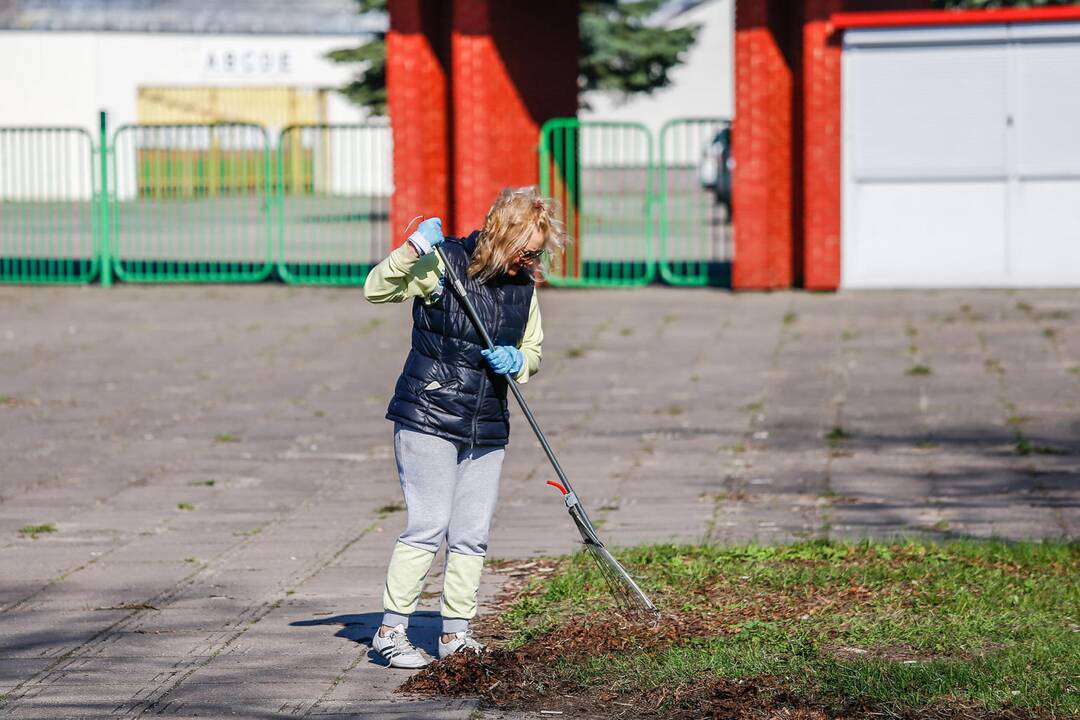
{"type": "Point", "coordinates": [716, 166]}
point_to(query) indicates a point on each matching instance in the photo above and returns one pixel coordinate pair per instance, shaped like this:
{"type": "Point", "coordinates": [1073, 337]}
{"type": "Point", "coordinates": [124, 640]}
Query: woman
{"type": "Point", "coordinates": [451, 420]}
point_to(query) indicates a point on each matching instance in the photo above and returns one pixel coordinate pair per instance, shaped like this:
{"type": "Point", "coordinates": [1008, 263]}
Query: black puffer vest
{"type": "Point", "coordinates": [447, 388]}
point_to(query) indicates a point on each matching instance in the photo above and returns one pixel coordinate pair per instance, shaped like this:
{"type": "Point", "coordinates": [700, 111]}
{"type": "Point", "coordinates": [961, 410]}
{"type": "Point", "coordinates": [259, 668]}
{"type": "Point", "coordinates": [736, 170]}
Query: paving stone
{"type": "Point", "coordinates": [680, 415]}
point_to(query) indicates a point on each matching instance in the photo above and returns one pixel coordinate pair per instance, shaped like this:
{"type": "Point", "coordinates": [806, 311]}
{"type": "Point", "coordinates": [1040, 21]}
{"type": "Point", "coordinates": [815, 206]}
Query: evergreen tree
{"type": "Point", "coordinates": [620, 52]}
{"type": "Point", "coordinates": [368, 87]}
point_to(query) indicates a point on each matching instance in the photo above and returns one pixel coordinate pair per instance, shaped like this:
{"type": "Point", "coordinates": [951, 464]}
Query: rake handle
{"type": "Point", "coordinates": [459, 288]}
{"type": "Point", "coordinates": [608, 565]}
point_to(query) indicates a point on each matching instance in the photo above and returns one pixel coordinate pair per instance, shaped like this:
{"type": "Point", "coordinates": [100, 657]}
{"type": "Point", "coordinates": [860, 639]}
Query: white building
{"type": "Point", "coordinates": [175, 61]}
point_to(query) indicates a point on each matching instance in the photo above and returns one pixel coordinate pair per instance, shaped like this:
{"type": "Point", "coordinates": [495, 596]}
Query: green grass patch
{"type": "Point", "coordinates": [184, 506]}
{"type": "Point", "coordinates": [902, 626]}
{"type": "Point", "coordinates": [226, 438]}
{"type": "Point", "coordinates": [918, 369]}
{"type": "Point", "coordinates": [203, 483]}
{"type": "Point", "coordinates": [32, 531]}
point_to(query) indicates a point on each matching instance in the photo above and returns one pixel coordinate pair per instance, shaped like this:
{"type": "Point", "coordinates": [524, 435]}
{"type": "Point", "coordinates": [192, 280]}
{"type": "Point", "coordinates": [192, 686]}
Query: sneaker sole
{"type": "Point", "coordinates": [399, 662]}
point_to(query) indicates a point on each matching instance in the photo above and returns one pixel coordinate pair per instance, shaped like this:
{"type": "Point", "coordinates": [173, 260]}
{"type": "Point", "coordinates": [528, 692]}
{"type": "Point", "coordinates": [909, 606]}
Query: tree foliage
{"type": "Point", "coordinates": [621, 51]}
{"type": "Point", "coordinates": [368, 86]}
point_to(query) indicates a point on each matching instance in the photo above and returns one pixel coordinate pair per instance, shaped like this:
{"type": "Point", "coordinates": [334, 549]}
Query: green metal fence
{"type": "Point", "coordinates": [634, 215]}
{"type": "Point", "coordinates": [191, 203]}
{"type": "Point", "coordinates": [602, 174]}
{"type": "Point", "coordinates": [333, 189]}
{"type": "Point", "coordinates": [224, 203]}
{"type": "Point", "coordinates": [47, 206]}
{"type": "Point", "coordinates": [694, 200]}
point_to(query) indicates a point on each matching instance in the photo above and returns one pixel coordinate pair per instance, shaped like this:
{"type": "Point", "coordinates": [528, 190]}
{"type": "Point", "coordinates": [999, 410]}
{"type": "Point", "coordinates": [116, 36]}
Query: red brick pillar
{"type": "Point", "coordinates": [416, 87]}
{"type": "Point", "coordinates": [470, 82]}
{"type": "Point", "coordinates": [762, 146]}
{"type": "Point", "coordinates": [821, 148]}
{"type": "Point", "coordinates": [514, 65]}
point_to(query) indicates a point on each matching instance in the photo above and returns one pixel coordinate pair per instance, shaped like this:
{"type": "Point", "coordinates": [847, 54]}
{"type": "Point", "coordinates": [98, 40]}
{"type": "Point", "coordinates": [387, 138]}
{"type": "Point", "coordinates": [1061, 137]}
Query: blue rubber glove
{"type": "Point", "coordinates": [505, 359]}
{"type": "Point", "coordinates": [428, 236]}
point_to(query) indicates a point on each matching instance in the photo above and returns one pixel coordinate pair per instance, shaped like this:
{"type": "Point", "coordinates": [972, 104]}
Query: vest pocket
{"type": "Point", "coordinates": [435, 386]}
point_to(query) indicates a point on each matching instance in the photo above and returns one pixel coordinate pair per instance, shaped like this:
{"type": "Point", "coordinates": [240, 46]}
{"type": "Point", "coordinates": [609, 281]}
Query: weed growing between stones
{"type": "Point", "coordinates": [32, 531]}
{"type": "Point", "coordinates": [390, 508]}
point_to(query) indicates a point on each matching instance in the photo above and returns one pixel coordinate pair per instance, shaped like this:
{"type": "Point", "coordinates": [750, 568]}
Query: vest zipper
{"type": "Point", "coordinates": [494, 333]}
{"type": "Point", "coordinates": [476, 412]}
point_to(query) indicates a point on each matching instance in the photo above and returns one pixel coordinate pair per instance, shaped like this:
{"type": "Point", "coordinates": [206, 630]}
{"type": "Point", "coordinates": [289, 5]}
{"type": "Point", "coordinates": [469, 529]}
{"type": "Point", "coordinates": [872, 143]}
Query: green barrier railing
{"type": "Point", "coordinates": [47, 206]}
{"type": "Point", "coordinates": [191, 203]}
{"type": "Point", "coordinates": [694, 197]}
{"type": "Point", "coordinates": [602, 174]}
{"type": "Point", "coordinates": [220, 203]}
{"type": "Point", "coordinates": [333, 189]}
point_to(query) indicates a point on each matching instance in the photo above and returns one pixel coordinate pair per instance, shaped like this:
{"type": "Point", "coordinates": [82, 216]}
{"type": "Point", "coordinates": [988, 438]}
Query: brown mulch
{"type": "Point", "coordinates": [525, 680]}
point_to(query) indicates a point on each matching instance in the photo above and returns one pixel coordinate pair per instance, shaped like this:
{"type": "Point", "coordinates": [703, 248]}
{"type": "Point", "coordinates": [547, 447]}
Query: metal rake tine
{"type": "Point", "coordinates": [614, 587]}
{"type": "Point", "coordinates": [609, 575]}
{"type": "Point", "coordinates": [621, 584]}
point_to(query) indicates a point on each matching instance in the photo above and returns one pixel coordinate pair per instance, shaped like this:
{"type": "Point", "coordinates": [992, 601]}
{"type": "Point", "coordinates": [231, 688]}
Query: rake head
{"type": "Point", "coordinates": [624, 589]}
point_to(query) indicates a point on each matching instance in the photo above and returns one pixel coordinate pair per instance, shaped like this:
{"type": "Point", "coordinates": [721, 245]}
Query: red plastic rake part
{"type": "Point", "coordinates": [557, 486]}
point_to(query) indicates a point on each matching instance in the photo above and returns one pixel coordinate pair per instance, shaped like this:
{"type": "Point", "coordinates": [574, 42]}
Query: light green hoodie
{"type": "Point", "coordinates": [403, 275]}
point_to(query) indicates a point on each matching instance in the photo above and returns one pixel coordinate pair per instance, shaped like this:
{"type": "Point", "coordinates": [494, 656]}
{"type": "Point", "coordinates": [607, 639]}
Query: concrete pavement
{"type": "Point", "coordinates": [219, 476]}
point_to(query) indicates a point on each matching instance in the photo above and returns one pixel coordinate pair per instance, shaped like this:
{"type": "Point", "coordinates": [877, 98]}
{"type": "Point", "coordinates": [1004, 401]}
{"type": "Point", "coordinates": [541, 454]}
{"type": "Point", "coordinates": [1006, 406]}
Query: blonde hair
{"type": "Point", "coordinates": [508, 227]}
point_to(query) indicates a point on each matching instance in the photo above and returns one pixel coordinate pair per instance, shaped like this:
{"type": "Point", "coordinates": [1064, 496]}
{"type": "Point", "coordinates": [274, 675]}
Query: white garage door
{"type": "Point", "coordinates": [962, 156]}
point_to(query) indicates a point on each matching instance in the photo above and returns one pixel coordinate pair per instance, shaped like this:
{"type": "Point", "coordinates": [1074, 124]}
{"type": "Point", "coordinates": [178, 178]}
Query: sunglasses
{"type": "Point", "coordinates": [532, 254]}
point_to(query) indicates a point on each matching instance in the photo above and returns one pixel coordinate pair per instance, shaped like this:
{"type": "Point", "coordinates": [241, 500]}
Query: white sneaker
{"type": "Point", "coordinates": [397, 650]}
{"type": "Point", "coordinates": [463, 640]}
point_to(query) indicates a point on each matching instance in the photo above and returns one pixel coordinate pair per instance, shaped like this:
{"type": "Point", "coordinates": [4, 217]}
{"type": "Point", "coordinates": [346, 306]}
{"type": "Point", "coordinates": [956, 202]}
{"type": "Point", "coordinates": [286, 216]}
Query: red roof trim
{"type": "Point", "coordinates": [903, 18]}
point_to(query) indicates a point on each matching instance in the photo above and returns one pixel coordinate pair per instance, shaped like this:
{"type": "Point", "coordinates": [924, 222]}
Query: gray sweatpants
{"type": "Point", "coordinates": [450, 494]}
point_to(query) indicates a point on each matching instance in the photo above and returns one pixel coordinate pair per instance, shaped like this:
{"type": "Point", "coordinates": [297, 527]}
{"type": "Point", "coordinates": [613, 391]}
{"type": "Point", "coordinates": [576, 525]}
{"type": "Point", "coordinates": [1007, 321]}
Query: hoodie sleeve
{"type": "Point", "coordinates": [531, 342]}
{"type": "Point", "coordinates": [403, 275]}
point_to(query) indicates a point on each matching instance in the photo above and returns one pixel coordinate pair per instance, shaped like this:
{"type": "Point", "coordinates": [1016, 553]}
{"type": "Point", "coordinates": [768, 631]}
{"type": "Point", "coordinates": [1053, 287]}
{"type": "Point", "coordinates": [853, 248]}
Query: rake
{"type": "Point", "coordinates": [626, 592]}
